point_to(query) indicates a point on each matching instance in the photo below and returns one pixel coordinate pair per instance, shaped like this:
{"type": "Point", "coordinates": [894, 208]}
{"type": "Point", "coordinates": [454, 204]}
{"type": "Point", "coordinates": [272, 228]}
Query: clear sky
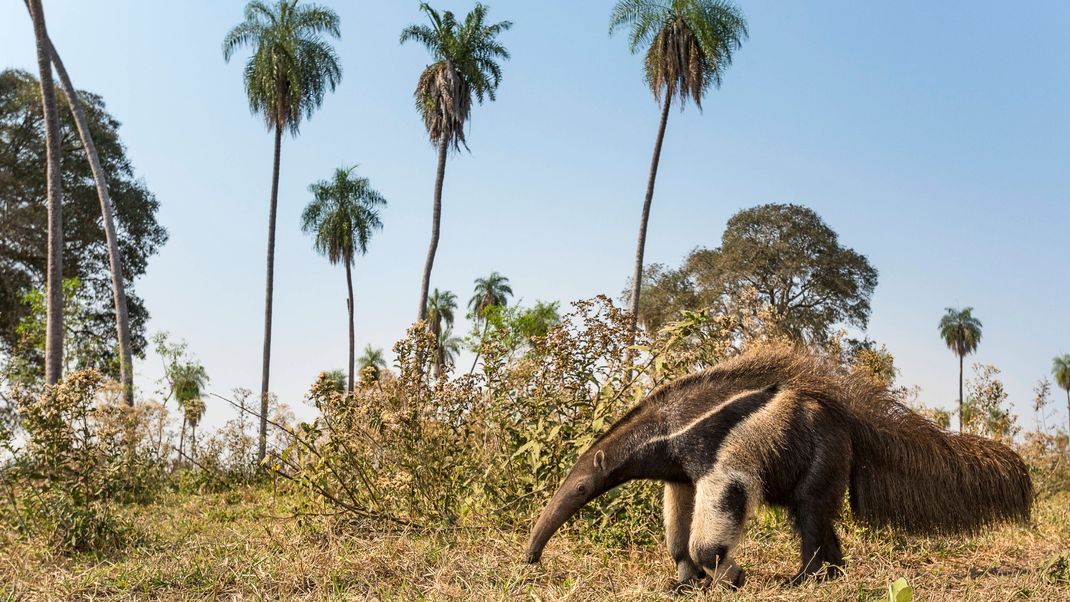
{"type": "Point", "coordinates": [934, 137]}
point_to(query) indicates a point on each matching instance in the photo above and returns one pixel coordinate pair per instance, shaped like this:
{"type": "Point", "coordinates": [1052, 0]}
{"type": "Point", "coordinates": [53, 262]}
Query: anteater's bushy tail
{"type": "Point", "coordinates": [910, 474]}
{"type": "Point", "coordinates": [906, 472]}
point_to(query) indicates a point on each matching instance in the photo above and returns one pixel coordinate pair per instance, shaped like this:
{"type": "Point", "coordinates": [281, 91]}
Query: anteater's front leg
{"type": "Point", "coordinates": [722, 502]}
{"type": "Point", "coordinates": [678, 509]}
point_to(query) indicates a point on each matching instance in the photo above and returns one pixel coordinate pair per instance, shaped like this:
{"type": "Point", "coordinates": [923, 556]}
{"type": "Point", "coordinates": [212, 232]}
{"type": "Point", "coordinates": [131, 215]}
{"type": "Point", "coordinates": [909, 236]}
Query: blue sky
{"type": "Point", "coordinates": [933, 136]}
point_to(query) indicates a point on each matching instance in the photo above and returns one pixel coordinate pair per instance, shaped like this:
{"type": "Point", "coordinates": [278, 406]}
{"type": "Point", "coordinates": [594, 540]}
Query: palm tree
{"type": "Point", "coordinates": [342, 216]}
{"type": "Point", "coordinates": [446, 351]}
{"type": "Point", "coordinates": [466, 64]}
{"type": "Point", "coordinates": [286, 78]}
{"type": "Point", "coordinates": [54, 279]}
{"type": "Point", "coordinates": [962, 332]}
{"type": "Point", "coordinates": [122, 321]}
{"type": "Point", "coordinates": [440, 313]}
{"type": "Point", "coordinates": [371, 363]}
{"type": "Point", "coordinates": [690, 45]}
{"type": "Point", "coordinates": [192, 412]}
{"type": "Point", "coordinates": [1060, 369]}
{"type": "Point", "coordinates": [492, 291]}
{"type": "Point", "coordinates": [188, 381]}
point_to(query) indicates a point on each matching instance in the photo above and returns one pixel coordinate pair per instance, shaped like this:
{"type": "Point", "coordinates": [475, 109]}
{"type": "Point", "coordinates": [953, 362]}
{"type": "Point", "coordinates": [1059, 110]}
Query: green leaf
{"type": "Point", "coordinates": [900, 591]}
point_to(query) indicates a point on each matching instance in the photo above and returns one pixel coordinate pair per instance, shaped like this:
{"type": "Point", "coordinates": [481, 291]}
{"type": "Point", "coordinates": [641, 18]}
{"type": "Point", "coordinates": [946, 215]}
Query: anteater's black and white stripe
{"type": "Point", "coordinates": [781, 427]}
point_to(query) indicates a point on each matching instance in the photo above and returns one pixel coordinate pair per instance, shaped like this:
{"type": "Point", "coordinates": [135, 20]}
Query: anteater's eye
{"type": "Point", "coordinates": [581, 489]}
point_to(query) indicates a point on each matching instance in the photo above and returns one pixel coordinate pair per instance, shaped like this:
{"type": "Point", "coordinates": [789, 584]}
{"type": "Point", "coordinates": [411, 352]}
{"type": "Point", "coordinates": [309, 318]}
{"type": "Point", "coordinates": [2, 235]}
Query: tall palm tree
{"type": "Point", "coordinates": [54, 278]}
{"type": "Point", "coordinates": [466, 59]}
{"type": "Point", "coordinates": [441, 306]}
{"type": "Point", "coordinates": [342, 216]}
{"type": "Point", "coordinates": [286, 78]}
{"type": "Point", "coordinates": [371, 363]}
{"type": "Point", "coordinates": [1060, 369]}
{"type": "Point", "coordinates": [962, 332]}
{"type": "Point", "coordinates": [492, 291]}
{"type": "Point", "coordinates": [689, 46]}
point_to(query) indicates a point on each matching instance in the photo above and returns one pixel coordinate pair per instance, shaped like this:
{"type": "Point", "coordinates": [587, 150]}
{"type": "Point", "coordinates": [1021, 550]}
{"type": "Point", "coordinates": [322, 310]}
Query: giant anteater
{"type": "Point", "coordinates": [780, 426]}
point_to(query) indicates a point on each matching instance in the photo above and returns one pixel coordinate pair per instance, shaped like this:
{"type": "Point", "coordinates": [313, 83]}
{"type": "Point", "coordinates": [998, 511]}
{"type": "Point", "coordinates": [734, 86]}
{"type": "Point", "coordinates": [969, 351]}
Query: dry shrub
{"type": "Point", "coordinates": [405, 448]}
{"type": "Point", "coordinates": [83, 448]}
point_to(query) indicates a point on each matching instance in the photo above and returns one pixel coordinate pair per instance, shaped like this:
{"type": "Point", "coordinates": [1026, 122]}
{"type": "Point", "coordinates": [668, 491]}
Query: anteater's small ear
{"type": "Point", "coordinates": [600, 460]}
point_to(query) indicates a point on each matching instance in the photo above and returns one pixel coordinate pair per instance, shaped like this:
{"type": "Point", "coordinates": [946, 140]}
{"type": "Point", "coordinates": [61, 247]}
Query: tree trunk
{"type": "Point", "coordinates": [1068, 410]}
{"type": "Point", "coordinates": [486, 324]}
{"type": "Point", "coordinates": [637, 275]}
{"type": "Point", "coordinates": [122, 322]}
{"type": "Point", "coordinates": [352, 338]}
{"type": "Point", "coordinates": [961, 417]}
{"type": "Point", "coordinates": [436, 214]}
{"type": "Point", "coordinates": [182, 439]}
{"type": "Point", "coordinates": [266, 372]}
{"type": "Point", "coordinates": [54, 278]}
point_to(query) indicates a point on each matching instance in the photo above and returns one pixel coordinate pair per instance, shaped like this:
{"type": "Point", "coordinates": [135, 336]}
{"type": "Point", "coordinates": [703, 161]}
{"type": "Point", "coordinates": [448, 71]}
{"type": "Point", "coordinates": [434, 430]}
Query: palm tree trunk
{"type": "Point", "coordinates": [486, 323]}
{"type": "Point", "coordinates": [961, 417]}
{"type": "Point", "coordinates": [182, 439]}
{"type": "Point", "coordinates": [637, 275]}
{"type": "Point", "coordinates": [436, 214]}
{"type": "Point", "coordinates": [122, 321]}
{"type": "Point", "coordinates": [270, 288]}
{"type": "Point", "coordinates": [1068, 410]}
{"type": "Point", "coordinates": [352, 339]}
{"type": "Point", "coordinates": [54, 278]}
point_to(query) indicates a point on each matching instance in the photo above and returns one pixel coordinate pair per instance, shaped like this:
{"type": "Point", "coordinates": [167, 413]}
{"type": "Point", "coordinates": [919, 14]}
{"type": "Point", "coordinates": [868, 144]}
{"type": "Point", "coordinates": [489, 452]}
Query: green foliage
{"type": "Point", "coordinates": [466, 63]}
{"type": "Point", "coordinates": [83, 350]}
{"type": "Point", "coordinates": [900, 591]}
{"type": "Point", "coordinates": [292, 67]}
{"type": "Point", "coordinates": [691, 42]}
{"type": "Point", "coordinates": [343, 215]}
{"type": "Point", "coordinates": [24, 218]}
{"type": "Point", "coordinates": [986, 410]}
{"type": "Point", "coordinates": [960, 330]}
{"type": "Point", "coordinates": [84, 448]}
{"type": "Point", "coordinates": [779, 267]}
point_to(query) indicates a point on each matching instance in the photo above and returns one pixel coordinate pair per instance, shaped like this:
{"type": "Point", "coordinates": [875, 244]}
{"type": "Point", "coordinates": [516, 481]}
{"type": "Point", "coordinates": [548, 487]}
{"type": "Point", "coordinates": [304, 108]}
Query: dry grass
{"type": "Point", "coordinates": [241, 545]}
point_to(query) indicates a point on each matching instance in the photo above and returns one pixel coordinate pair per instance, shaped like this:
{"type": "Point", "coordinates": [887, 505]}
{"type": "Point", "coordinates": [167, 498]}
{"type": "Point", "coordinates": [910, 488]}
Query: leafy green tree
{"type": "Point", "coordinates": [782, 262]}
{"type": "Point", "coordinates": [371, 363]}
{"type": "Point", "coordinates": [689, 45]}
{"type": "Point", "coordinates": [1060, 369]}
{"type": "Point", "coordinates": [466, 64]}
{"type": "Point", "coordinates": [185, 378]}
{"type": "Point", "coordinates": [24, 220]}
{"type": "Point", "coordinates": [986, 411]}
{"type": "Point", "coordinates": [441, 306]}
{"type": "Point", "coordinates": [962, 333]}
{"type": "Point", "coordinates": [342, 216]}
{"type": "Point", "coordinates": [492, 291]}
{"type": "Point", "coordinates": [54, 175]}
{"type": "Point", "coordinates": [286, 79]}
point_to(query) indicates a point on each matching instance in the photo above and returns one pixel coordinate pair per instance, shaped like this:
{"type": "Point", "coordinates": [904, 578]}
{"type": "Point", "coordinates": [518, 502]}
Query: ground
{"type": "Point", "coordinates": [246, 545]}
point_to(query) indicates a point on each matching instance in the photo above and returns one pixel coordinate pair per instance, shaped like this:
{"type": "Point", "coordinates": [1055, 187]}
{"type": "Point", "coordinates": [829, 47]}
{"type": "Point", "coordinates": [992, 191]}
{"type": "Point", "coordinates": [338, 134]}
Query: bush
{"type": "Point", "coordinates": [83, 449]}
{"type": "Point", "coordinates": [409, 449]}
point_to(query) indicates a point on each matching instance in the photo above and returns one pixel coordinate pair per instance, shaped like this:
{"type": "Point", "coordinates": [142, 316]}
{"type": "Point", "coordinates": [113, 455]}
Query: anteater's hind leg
{"type": "Point", "coordinates": [678, 510]}
{"type": "Point", "coordinates": [818, 499]}
{"type": "Point", "coordinates": [722, 502]}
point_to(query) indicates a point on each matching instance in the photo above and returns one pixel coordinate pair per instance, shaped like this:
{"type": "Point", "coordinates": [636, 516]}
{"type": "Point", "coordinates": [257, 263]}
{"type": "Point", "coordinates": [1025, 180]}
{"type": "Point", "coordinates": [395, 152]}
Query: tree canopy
{"type": "Point", "coordinates": [691, 42]}
{"type": "Point", "coordinates": [23, 215]}
{"type": "Point", "coordinates": [781, 258]}
{"type": "Point", "coordinates": [466, 58]}
{"type": "Point", "coordinates": [292, 67]}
